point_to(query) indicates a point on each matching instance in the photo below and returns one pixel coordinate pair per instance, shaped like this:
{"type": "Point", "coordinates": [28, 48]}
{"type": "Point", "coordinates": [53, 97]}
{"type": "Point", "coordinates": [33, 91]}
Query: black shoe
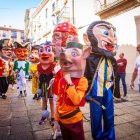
{"type": "Point", "coordinates": [117, 100]}
{"type": "Point", "coordinates": [38, 97]}
{"type": "Point", "coordinates": [42, 120]}
{"type": "Point", "coordinates": [35, 96]}
{"type": "Point", "coordinates": [4, 96]}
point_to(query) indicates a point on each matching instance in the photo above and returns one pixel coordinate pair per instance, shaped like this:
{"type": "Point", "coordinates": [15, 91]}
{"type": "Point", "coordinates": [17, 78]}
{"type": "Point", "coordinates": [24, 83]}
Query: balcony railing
{"type": "Point", "coordinates": [116, 7]}
{"type": "Point", "coordinates": [64, 15]}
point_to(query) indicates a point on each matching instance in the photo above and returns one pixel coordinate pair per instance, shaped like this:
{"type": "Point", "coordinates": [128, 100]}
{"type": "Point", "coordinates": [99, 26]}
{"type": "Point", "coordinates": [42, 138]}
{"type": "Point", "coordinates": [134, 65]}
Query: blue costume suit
{"type": "Point", "coordinates": [96, 112]}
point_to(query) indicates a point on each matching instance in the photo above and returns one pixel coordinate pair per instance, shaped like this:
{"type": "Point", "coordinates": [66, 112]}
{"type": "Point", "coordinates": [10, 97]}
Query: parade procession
{"type": "Point", "coordinates": [58, 68]}
{"type": "Point", "coordinates": [62, 81]}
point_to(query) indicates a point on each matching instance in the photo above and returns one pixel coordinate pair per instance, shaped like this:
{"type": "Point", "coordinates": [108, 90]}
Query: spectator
{"type": "Point", "coordinates": [136, 71]}
{"type": "Point", "coordinates": [121, 68]}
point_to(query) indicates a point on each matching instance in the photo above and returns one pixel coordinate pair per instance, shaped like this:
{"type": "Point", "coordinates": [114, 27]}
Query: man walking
{"type": "Point", "coordinates": [121, 68]}
{"type": "Point", "coordinates": [136, 71]}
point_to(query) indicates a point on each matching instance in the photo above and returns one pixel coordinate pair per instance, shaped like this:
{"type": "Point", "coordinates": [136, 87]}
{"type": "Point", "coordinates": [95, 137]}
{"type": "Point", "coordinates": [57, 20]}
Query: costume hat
{"type": "Point", "coordinates": [21, 45]}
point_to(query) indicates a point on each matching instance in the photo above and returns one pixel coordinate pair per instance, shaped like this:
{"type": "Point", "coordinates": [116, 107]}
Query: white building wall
{"type": "Point", "coordinates": [126, 27]}
{"type": "Point", "coordinates": [83, 15]}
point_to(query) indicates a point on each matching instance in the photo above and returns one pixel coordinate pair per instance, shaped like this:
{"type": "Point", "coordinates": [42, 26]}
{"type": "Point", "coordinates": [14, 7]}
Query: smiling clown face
{"type": "Point", "coordinates": [46, 55]}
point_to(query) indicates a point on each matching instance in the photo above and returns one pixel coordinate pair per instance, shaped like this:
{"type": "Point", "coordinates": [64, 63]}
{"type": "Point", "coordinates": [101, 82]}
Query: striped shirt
{"type": "Point", "coordinates": [103, 78]}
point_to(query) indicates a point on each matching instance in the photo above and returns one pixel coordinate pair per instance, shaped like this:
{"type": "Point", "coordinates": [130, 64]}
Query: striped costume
{"type": "Point", "coordinates": [101, 90]}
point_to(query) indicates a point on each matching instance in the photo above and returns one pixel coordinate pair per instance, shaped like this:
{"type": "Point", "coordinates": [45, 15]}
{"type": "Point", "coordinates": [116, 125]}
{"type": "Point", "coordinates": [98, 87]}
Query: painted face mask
{"type": "Point", "coordinates": [72, 59]}
{"type": "Point", "coordinates": [34, 56]}
{"type": "Point", "coordinates": [63, 33]}
{"type": "Point", "coordinates": [6, 48]}
{"type": "Point", "coordinates": [21, 50]}
{"type": "Point", "coordinates": [106, 36]}
{"type": "Point", "coordinates": [46, 55]}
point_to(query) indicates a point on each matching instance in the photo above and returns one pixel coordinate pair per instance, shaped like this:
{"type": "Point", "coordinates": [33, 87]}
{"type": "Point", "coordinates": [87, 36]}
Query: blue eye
{"type": "Point", "coordinates": [116, 47]}
{"type": "Point", "coordinates": [48, 49]}
{"type": "Point", "coordinates": [74, 53]}
{"type": "Point", "coordinates": [105, 32]}
{"type": "Point", "coordinates": [40, 50]}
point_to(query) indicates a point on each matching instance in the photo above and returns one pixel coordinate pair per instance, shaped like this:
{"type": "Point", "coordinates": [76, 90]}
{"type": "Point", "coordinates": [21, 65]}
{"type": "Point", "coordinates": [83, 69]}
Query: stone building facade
{"type": "Point", "coordinates": [12, 33]}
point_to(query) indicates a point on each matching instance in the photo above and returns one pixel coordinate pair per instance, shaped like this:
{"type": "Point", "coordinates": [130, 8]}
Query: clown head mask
{"type": "Point", "coordinates": [46, 55]}
{"type": "Point", "coordinates": [34, 56]}
{"type": "Point", "coordinates": [72, 59]}
{"type": "Point", "coordinates": [21, 50]}
{"type": "Point", "coordinates": [101, 35]}
{"type": "Point", "coordinates": [6, 49]}
{"type": "Point", "coordinates": [62, 34]}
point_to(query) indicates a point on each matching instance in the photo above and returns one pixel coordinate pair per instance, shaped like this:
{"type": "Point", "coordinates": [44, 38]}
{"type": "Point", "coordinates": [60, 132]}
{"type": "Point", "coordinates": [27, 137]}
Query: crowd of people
{"type": "Point", "coordinates": [68, 74]}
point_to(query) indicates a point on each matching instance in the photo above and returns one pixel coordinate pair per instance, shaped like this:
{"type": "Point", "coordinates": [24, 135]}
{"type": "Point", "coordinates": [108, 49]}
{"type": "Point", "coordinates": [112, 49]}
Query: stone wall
{"type": "Point", "coordinates": [130, 54]}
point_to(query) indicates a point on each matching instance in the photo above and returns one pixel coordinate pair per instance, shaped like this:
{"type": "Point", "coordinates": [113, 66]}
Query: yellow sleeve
{"type": "Point", "coordinates": [76, 94]}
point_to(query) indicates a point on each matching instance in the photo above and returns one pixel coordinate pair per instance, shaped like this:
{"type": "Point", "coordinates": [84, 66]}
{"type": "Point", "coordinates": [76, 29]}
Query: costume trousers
{"type": "Point", "coordinates": [105, 132]}
{"type": "Point", "coordinates": [34, 85]}
{"type": "Point", "coordinates": [3, 85]}
{"type": "Point", "coordinates": [72, 131]}
{"type": "Point", "coordinates": [21, 83]}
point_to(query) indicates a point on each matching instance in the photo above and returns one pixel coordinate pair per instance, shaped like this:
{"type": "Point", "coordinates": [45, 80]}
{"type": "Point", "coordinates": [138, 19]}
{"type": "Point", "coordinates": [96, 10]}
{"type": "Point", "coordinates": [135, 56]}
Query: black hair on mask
{"type": "Point", "coordinates": [91, 37]}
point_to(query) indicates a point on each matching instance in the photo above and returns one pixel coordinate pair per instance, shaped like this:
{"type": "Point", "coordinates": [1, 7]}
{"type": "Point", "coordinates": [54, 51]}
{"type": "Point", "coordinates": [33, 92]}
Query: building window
{"type": "Point", "coordinates": [22, 35]}
{"type": "Point", "coordinates": [46, 13]}
{"type": "Point", "coordinates": [53, 7]}
{"type": "Point", "coordinates": [13, 34]}
{"type": "Point", "coordinates": [4, 34]}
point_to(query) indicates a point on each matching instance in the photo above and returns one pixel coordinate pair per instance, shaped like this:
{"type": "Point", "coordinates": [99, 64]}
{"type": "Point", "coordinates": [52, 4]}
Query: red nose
{"type": "Point", "coordinates": [44, 54]}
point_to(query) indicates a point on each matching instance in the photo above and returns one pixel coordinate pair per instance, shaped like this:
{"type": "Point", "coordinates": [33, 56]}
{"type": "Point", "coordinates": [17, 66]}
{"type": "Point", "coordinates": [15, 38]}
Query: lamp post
{"type": "Point", "coordinates": [73, 12]}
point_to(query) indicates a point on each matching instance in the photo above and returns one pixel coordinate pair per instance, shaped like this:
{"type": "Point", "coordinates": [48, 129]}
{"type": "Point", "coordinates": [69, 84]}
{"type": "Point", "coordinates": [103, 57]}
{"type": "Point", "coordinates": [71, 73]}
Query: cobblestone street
{"type": "Point", "coordinates": [19, 118]}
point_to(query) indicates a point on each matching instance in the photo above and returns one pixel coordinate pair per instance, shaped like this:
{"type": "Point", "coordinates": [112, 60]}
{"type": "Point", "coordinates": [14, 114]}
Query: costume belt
{"type": "Point", "coordinates": [73, 113]}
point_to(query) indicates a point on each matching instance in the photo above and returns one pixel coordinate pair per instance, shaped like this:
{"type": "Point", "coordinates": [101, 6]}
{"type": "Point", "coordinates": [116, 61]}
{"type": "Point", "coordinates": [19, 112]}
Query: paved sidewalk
{"type": "Point", "coordinates": [19, 118]}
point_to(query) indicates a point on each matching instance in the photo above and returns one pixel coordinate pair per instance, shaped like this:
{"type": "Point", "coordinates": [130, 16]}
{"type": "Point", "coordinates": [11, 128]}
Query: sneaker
{"type": "Point", "coordinates": [117, 100]}
{"type": "Point", "coordinates": [42, 121]}
{"type": "Point", "coordinates": [4, 96]}
{"type": "Point", "coordinates": [124, 98]}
